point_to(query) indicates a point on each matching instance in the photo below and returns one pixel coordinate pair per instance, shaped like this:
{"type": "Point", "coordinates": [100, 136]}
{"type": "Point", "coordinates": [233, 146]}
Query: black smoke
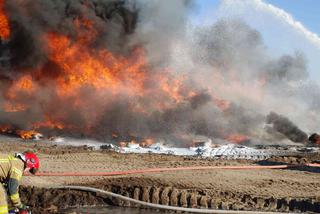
{"type": "Point", "coordinates": [226, 61]}
{"type": "Point", "coordinates": [286, 127]}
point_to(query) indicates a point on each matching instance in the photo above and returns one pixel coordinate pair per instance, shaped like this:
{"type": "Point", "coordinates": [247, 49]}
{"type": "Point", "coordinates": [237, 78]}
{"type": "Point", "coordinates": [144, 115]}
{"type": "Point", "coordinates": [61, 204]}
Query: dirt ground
{"type": "Point", "coordinates": [265, 189]}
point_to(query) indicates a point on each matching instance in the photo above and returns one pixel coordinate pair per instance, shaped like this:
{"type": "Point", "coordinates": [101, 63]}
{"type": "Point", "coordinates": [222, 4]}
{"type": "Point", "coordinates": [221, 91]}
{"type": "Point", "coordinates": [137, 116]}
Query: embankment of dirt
{"type": "Point", "coordinates": [45, 200]}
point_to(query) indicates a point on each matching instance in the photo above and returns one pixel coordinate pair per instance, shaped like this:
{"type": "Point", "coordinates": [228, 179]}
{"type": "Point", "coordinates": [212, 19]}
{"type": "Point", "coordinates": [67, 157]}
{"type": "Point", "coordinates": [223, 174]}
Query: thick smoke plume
{"type": "Point", "coordinates": [136, 68]}
{"type": "Point", "coordinates": [286, 127]}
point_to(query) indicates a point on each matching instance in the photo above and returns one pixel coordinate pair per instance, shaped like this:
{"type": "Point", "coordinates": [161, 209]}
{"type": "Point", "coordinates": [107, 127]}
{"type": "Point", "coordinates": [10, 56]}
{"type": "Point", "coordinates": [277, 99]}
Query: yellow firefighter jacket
{"type": "Point", "coordinates": [11, 170]}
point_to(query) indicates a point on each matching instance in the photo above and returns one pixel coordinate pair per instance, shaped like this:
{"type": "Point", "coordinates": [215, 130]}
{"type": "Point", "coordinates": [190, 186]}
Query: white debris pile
{"type": "Point", "coordinates": [77, 142]}
{"type": "Point", "coordinates": [229, 151]}
{"type": "Point", "coordinates": [205, 150]}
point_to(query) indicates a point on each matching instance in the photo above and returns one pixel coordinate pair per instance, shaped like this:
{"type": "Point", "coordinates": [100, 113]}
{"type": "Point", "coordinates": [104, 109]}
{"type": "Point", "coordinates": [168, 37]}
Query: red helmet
{"type": "Point", "coordinates": [31, 161]}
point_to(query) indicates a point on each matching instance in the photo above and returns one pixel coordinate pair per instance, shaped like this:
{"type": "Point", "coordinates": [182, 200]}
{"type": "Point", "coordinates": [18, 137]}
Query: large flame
{"type": "Point", "coordinates": [79, 80]}
{"type": "Point", "coordinates": [4, 23]}
{"type": "Point", "coordinates": [80, 67]}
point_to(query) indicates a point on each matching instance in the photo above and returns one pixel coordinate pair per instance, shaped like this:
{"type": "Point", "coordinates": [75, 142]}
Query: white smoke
{"type": "Point", "coordinates": [227, 59]}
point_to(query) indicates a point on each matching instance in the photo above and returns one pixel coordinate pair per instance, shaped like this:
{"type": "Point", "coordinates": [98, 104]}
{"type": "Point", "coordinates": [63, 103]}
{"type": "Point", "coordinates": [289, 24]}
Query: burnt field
{"type": "Point", "coordinates": [282, 190]}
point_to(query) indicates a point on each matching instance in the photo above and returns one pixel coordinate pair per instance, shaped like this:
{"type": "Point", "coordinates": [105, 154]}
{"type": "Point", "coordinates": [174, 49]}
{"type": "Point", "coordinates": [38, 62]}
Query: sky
{"type": "Point", "coordinates": [286, 25]}
{"type": "Point", "coordinates": [305, 11]}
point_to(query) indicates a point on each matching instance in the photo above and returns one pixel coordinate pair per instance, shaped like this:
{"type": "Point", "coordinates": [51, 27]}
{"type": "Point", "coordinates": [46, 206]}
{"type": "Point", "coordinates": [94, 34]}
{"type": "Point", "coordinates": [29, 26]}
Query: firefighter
{"type": "Point", "coordinates": [11, 170]}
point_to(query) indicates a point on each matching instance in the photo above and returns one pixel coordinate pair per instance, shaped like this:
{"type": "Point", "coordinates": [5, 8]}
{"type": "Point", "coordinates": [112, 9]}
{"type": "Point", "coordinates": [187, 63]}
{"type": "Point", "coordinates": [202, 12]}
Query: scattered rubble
{"type": "Point", "coordinates": [204, 149]}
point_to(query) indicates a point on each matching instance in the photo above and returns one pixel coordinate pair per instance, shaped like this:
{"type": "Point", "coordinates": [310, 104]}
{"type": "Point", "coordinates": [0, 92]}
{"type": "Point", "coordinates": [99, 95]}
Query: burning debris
{"type": "Point", "coordinates": [237, 139]}
{"type": "Point", "coordinates": [314, 139]}
{"type": "Point", "coordinates": [26, 135]}
{"type": "Point", "coordinates": [207, 149]}
{"type": "Point", "coordinates": [94, 68]}
{"type": "Point", "coordinates": [30, 135]}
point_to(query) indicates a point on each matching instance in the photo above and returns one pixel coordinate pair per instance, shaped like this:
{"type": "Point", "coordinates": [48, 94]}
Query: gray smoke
{"type": "Point", "coordinates": [233, 79]}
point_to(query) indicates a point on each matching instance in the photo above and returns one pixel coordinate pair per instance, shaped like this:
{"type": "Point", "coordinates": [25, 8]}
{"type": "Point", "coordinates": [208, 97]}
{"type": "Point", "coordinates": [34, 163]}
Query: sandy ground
{"type": "Point", "coordinates": [275, 190]}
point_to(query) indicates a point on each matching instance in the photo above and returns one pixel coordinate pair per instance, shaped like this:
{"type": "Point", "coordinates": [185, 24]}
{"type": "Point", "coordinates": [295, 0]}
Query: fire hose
{"type": "Point", "coordinates": [153, 170]}
{"type": "Point", "coordinates": [157, 206]}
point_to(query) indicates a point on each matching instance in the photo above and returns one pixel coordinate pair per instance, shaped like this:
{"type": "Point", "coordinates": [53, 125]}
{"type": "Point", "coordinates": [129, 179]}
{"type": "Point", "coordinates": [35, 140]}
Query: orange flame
{"type": "Point", "coordinates": [4, 23]}
{"type": "Point", "coordinates": [223, 105]}
{"type": "Point", "coordinates": [24, 134]}
{"type": "Point", "coordinates": [237, 138]}
{"type": "Point", "coordinates": [99, 69]}
{"type": "Point", "coordinates": [115, 135]}
{"type": "Point", "coordinates": [5, 128]}
{"type": "Point", "coordinates": [49, 124]}
{"type": "Point", "coordinates": [22, 85]}
{"type": "Point", "coordinates": [147, 142]}
{"type": "Point", "coordinates": [79, 68]}
{"type": "Point", "coordinates": [27, 134]}
{"type": "Point", "coordinates": [172, 87]}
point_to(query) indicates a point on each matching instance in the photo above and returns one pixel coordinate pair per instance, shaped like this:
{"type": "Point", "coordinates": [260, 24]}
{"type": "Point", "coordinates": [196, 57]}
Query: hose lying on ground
{"type": "Point", "coordinates": [157, 206]}
{"type": "Point", "coordinates": [140, 171]}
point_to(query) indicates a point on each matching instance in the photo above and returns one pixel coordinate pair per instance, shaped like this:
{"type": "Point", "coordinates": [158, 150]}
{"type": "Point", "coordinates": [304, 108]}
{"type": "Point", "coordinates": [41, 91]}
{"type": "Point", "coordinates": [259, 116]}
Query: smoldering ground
{"type": "Point", "coordinates": [213, 80]}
